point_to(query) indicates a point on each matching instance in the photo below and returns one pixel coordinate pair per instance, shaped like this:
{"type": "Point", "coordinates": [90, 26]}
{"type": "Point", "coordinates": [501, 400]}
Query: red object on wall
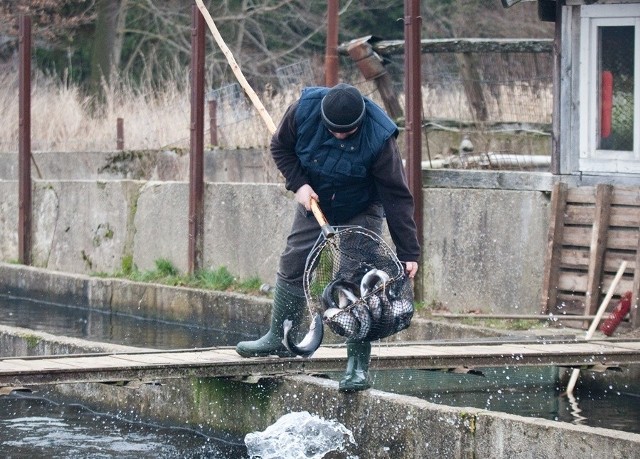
{"type": "Point", "coordinates": [619, 312]}
{"type": "Point", "coordinates": [606, 103]}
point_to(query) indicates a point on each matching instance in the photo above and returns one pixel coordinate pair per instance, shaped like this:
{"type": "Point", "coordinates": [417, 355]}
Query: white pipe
{"type": "Point", "coordinates": [596, 321]}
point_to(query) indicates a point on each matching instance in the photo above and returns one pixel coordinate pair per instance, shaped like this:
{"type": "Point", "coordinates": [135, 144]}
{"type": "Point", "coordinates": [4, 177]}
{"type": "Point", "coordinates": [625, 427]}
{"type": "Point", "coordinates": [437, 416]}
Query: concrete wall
{"type": "Point", "coordinates": [484, 248]}
{"type": "Point", "coordinates": [247, 165]}
{"type": "Point", "coordinates": [483, 243]}
{"type": "Point", "coordinates": [91, 226]}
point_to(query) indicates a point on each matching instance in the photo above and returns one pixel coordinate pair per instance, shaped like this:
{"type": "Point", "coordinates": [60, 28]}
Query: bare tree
{"type": "Point", "coordinates": [54, 21]}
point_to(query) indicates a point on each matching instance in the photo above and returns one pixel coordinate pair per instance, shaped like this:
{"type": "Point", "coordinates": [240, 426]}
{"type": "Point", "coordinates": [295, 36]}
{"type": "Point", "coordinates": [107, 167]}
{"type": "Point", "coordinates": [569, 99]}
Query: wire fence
{"type": "Point", "coordinates": [487, 110]}
{"type": "Point", "coordinates": [482, 110]}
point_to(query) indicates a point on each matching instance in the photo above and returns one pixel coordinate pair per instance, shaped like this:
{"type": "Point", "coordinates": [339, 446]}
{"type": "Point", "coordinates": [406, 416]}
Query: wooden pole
{"type": "Point", "coordinates": [235, 68]}
{"type": "Point", "coordinates": [120, 134]}
{"type": "Point", "coordinates": [612, 288]}
{"type": "Point", "coordinates": [413, 117]}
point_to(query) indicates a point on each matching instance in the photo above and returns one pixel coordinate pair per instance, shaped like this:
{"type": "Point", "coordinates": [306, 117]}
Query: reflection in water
{"type": "Point", "coordinates": [575, 410]}
{"type": "Point", "coordinates": [524, 391]}
{"type": "Point", "coordinates": [103, 326]}
{"type": "Point", "coordinates": [36, 427]}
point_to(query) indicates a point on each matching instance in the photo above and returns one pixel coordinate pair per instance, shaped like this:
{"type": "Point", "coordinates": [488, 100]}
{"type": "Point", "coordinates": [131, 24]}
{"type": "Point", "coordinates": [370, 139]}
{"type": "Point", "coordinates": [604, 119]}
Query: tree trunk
{"type": "Point", "coordinates": [104, 40]}
{"type": "Point", "coordinates": [119, 38]}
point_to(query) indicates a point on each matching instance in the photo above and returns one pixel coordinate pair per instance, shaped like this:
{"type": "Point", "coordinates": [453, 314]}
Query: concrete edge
{"type": "Point", "coordinates": [384, 424]}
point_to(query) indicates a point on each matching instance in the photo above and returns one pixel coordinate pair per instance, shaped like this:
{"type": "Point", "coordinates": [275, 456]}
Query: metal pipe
{"type": "Point", "coordinates": [551, 317]}
{"type": "Point", "coordinates": [331, 53]}
{"type": "Point", "coordinates": [413, 116]}
{"type": "Point", "coordinates": [196, 161]}
{"type": "Point", "coordinates": [413, 101]}
{"type": "Point", "coordinates": [24, 147]}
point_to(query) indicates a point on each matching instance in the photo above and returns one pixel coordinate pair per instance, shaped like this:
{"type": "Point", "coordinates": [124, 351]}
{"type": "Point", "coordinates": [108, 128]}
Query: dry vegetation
{"type": "Point", "coordinates": [158, 116]}
{"type": "Point", "coordinates": [153, 118]}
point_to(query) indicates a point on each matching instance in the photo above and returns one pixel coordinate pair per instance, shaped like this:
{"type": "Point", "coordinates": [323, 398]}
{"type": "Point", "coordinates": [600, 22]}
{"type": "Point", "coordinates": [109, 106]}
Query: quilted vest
{"type": "Point", "coordinates": [339, 170]}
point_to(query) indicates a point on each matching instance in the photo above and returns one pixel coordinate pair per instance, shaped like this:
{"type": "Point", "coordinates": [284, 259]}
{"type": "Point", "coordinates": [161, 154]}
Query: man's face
{"type": "Point", "coordinates": [343, 135]}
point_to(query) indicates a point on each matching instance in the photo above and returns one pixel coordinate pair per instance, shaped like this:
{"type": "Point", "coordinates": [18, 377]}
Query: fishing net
{"type": "Point", "coordinates": [357, 283]}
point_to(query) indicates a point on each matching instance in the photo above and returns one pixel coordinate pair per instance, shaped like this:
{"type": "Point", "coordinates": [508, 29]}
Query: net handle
{"type": "Point", "coordinates": [327, 229]}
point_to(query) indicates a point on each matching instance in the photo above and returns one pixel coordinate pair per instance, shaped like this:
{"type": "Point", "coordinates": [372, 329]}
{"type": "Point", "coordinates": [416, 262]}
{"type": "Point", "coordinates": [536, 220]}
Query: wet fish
{"type": "Point", "coordinates": [343, 291]}
{"type": "Point", "coordinates": [402, 313]}
{"type": "Point", "coordinates": [373, 280]}
{"type": "Point", "coordinates": [342, 322]}
{"type": "Point", "coordinates": [363, 316]}
{"type": "Point", "coordinates": [311, 341]}
{"type": "Point", "coordinates": [375, 306]}
{"type": "Point", "coordinates": [344, 312]}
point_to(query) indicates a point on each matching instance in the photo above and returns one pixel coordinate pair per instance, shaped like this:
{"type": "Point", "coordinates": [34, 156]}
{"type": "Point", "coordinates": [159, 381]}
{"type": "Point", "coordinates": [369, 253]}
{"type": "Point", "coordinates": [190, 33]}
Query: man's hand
{"type": "Point", "coordinates": [304, 195]}
{"type": "Point", "coordinates": [411, 268]}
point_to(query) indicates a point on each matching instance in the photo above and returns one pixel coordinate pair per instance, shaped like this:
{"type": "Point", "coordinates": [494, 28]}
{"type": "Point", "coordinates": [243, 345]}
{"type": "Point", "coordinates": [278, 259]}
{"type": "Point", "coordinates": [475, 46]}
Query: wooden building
{"type": "Point", "coordinates": [596, 125]}
{"type": "Point", "coordinates": [595, 221]}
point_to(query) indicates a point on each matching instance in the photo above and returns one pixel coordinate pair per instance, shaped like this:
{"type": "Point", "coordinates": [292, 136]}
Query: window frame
{"type": "Point", "coordinates": [592, 159]}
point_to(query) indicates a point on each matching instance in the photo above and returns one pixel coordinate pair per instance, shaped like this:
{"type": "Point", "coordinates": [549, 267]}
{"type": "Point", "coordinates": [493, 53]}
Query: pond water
{"type": "Point", "coordinates": [34, 426]}
{"type": "Point", "coordinates": [525, 391]}
{"type": "Point", "coordinates": [28, 422]}
{"type": "Point", "coordinates": [96, 325]}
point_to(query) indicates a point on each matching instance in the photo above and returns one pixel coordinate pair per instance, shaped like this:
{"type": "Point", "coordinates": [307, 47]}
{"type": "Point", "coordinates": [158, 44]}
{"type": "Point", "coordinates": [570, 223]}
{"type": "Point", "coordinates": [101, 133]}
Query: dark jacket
{"type": "Point", "coordinates": [338, 170]}
{"type": "Point", "coordinates": [381, 176]}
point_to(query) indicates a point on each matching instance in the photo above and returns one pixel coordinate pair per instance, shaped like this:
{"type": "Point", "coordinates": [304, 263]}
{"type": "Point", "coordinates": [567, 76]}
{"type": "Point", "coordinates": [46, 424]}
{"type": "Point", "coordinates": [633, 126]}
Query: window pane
{"type": "Point", "coordinates": [615, 71]}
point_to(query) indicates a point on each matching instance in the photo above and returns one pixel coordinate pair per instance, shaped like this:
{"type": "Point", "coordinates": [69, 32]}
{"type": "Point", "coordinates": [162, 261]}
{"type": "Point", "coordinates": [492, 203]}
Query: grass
{"type": "Point", "coordinates": [157, 116]}
{"type": "Point", "coordinates": [166, 273]}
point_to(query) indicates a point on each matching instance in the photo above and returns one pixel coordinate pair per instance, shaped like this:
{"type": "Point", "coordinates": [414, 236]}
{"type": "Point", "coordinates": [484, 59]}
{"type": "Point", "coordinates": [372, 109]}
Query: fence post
{"type": "Point", "coordinates": [24, 148]}
{"type": "Point", "coordinates": [196, 161]}
{"type": "Point", "coordinates": [413, 113]}
{"type": "Point", "coordinates": [331, 52]}
{"type": "Point", "coordinates": [120, 134]}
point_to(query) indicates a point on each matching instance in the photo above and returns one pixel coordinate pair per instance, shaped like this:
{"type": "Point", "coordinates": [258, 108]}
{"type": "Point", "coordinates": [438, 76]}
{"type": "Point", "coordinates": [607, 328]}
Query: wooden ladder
{"type": "Point", "coordinates": [591, 231]}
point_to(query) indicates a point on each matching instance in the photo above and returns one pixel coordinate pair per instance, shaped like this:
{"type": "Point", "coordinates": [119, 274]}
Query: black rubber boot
{"type": "Point", "coordinates": [356, 376]}
{"type": "Point", "coordinates": [286, 305]}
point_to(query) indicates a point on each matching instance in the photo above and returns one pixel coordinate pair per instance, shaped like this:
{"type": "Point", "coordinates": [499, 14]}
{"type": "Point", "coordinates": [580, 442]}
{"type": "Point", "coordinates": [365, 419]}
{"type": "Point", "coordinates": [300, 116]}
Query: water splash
{"type": "Point", "coordinates": [299, 435]}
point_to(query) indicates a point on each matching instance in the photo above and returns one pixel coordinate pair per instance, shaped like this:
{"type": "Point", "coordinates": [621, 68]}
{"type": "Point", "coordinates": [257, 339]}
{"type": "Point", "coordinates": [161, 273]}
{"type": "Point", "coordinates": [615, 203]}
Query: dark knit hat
{"type": "Point", "coordinates": [342, 108]}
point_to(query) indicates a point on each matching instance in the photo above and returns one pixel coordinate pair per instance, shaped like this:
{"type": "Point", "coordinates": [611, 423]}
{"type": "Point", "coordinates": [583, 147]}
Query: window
{"type": "Point", "coordinates": [609, 81]}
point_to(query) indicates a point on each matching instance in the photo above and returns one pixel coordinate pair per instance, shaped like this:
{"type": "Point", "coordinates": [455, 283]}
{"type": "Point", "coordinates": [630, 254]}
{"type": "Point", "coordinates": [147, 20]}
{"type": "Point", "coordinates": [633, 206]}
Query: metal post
{"type": "Point", "coordinates": [196, 161]}
{"type": "Point", "coordinates": [213, 121]}
{"type": "Point", "coordinates": [413, 102]}
{"type": "Point", "coordinates": [120, 134]}
{"type": "Point", "coordinates": [413, 117]}
{"type": "Point", "coordinates": [24, 147]}
{"type": "Point", "coordinates": [331, 54]}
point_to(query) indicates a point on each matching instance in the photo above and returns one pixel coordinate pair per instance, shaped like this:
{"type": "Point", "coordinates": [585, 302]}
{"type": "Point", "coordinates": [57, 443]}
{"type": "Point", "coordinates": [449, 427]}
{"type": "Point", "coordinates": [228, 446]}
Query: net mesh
{"type": "Point", "coordinates": [357, 283]}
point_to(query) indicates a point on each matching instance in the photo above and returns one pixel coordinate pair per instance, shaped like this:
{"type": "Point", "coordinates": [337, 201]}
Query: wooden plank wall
{"type": "Point", "coordinates": [591, 231]}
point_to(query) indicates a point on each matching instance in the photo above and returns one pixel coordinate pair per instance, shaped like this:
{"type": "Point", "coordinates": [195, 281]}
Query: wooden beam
{"type": "Point", "coordinates": [225, 362]}
{"type": "Point", "coordinates": [463, 45]}
{"type": "Point", "coordinates": [598, 246]}
{"type": "Point", "coordinates": [554, 246]}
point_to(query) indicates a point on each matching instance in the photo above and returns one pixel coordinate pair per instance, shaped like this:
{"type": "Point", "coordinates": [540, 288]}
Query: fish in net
{"type": "Point", "coordinates": [358, 285]}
